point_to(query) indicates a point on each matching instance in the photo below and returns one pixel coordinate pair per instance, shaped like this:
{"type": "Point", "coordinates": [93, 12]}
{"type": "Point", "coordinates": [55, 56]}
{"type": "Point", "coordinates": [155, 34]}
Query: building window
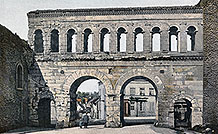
{"type": "Point", "coordinates": [132, 102]}
{"type": "Point", "coordinates": [191, 38]}
{"type": "Point", "coordinates": [142, 91]}
{"type": "Point", "coordinates": [104, 40]}
{"type": "Point", "coordinates": [121, 40]}
{"type": "Point", "coordinates": [155, 39]}
{"type": "Point", "coordinates": [87, 40]}
{"type": "Point", "coordinates": [173, 35]}
{"type": "Point", "coordinates": [140, 106]}
{"type": "Point", "coordinates": [38, 42]}
{"type": "Point", "coordinates": [132, 108]}
{"type": "Point", "coordinates": [19, 77]}
{"type": "Point", "coordinates": [138, 40]}
{"type": "Point", "coordinates": [71, 40]}
{"type": "Point", "coordinates": [132, 91]}
{"type": "Point", "coordinates": [151, 91]}
{"type": "Point", "coordinates": [54, 41]}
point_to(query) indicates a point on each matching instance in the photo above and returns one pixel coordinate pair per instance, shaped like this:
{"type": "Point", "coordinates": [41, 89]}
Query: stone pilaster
{"type": "Point", "coordinates": [183, 39]}
{"type": "Point", "coordinates": [147, 41]}
{"type": "Point", "coordinates": [130, 42]}
{"type": "Point", "coordinates": [164, 40]}
{"type": "Point", "coordinates": [113, 41]}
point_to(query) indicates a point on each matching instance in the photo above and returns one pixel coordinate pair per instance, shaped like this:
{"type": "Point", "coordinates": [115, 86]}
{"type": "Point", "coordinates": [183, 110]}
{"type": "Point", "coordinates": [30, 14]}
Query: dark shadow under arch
{"type": "Point", "coordinates": [182, 113]}
{"type": "Point", "coordinates": [44, 112]}
{"type": "Point", "coordinates": [122, 94]}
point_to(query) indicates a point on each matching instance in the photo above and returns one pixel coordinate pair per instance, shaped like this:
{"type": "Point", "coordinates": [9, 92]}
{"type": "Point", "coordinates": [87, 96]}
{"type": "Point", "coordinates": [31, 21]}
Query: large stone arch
{"type": "Point", "coordinates": [64, 114]}
{"type": "Point", "coordinates": [115, 104]}
{"type": "Point", "coordinates": [139, 72]}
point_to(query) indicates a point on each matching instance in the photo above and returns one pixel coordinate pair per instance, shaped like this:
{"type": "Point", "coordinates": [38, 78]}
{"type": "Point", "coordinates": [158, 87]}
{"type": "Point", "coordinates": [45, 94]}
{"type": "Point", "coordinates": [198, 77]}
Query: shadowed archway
{"type": "Point", "coordinates": [94, 102]}
{"type": "Point", "coordinates": [140, 99]}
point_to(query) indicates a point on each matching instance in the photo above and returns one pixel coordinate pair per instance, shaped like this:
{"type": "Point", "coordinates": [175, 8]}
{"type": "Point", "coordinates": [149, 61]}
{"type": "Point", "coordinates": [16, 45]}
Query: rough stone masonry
{"type": "Point", "coordinates": [175, 69]}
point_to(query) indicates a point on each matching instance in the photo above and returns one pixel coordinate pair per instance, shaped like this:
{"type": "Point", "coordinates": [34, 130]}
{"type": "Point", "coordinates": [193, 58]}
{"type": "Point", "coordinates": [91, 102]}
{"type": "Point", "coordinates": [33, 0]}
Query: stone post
{"type": "Point", "coordinates": [95, 41]}
{"type": "Point", "coordinates": [147, 41]}
{"type": "Point", "coordinates": [164, 40]}
{"type": "Point", "coordinates": [79, 42]}
{"type": "Point", "coordinates": [113, 41]}
{"type": "Point", "coordinates": [62, 42]}
{"type": "Point", "coordinates": [47, 41]}
{"type": "Point", "coordinates": [130, 41]}
{"type": "Point", "coordinates": [183, 39]}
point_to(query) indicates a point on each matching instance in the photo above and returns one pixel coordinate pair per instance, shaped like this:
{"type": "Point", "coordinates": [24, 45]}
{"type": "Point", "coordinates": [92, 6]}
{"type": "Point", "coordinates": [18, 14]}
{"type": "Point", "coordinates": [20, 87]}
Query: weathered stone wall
{"type": "Point", "coordinates": [181, 79]}
{"type": "Point", "coordinates": [210, 20]}
{"type": "Point", "coordinates": [13, 101]}
{"type": "Point", "coordinates": [177, 75]}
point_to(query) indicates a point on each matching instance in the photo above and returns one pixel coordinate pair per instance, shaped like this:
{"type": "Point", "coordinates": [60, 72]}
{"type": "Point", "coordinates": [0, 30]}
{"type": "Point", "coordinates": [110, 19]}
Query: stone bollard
{"type": "Point", "coordinates": [208, 131]}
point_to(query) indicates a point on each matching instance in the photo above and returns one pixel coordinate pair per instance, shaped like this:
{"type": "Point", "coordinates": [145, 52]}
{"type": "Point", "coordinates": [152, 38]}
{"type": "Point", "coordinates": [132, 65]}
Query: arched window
{"type": "Point", "coordinates": [38, 42]}
{"type": "Point", "coordinates": [138, 40]}
{"type": "Point", "coordinates": [121, 40]}
{"type": "Point", "coordinates": [19, 77]}
{"type": "Point", "coordinates": [104, 40]}
{"type": "Point", "coordinates": [155, 39]}
{"type": "Point", "coordinates": [71, 40]}
{"type": "Point", "coordinates": [191, 31]}
{"type": "Point", "coordinates": [173, 34]}
{"type": "Point", "coordinates": [87, 40]}
{"type": "Point", "coordinates": [54, 41]}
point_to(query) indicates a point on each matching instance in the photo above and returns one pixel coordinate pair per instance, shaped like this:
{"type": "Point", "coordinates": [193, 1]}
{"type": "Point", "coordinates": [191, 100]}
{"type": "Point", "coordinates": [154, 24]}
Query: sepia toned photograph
{"type": "Point", "coordinates": [109, 67]}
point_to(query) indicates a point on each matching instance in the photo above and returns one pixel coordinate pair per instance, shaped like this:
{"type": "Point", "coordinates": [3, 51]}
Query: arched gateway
{"type": "Point", "coordinates": [118, 47]}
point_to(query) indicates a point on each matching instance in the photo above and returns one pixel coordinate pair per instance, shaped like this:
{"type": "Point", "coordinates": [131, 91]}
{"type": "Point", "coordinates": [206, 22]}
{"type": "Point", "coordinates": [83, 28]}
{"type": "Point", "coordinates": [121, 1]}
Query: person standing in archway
{"type": "Point", "coordinates": [84, 121]}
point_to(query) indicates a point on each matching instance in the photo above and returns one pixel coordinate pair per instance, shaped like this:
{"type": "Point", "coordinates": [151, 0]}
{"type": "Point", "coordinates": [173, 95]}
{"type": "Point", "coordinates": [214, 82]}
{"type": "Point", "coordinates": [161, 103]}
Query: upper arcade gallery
{"type": "Point", "coordinates": [66, 32]}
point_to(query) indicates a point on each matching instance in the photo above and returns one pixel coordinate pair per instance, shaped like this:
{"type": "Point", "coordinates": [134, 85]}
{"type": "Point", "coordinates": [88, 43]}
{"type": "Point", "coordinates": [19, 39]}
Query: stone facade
{"type": "Point", "coordinates": [175, 75]}
{"type": "Point", "coordinates": [210, 63]}
{"type": "Point", "coordinates": [15, 59]}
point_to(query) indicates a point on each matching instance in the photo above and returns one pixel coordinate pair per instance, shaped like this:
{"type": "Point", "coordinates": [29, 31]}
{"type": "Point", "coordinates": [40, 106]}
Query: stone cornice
{"type": "Point", "coordinates": [115, 11]}
{"type": "Point", "coordinates": [118, 57]}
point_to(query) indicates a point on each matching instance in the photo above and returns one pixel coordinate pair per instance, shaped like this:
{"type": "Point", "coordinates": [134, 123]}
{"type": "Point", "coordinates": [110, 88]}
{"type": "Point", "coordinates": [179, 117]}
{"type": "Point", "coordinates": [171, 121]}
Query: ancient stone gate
{"type": "Point", "coordinates": [114, 45]}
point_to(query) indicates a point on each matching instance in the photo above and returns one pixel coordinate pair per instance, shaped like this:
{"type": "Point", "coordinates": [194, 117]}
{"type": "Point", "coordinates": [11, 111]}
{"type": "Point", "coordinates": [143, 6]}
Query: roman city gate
{"type": "Point", "coordinates": [115, 45]}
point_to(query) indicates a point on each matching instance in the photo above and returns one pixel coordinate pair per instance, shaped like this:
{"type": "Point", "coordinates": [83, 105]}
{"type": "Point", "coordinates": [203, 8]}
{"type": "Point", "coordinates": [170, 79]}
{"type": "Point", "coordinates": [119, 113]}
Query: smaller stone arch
{"type": "Point", "coordinates": [138, 39]}
{"type": "Point", "coordinates": [88, 42]}
{"type": "Point", "coordinates": [175, 26]}
{"type": "Point", "coordinates": [44, 103]}
{"type": "Point", "coordinates": [194, 105]}
{"type": "Point", "coordinates": [65, 30]}
{"type": "Point", "coordinates": [155, 41]}
{"type": "Point", "coordinates": [183, 96]}
{"type": "Point", "coordinates": [174, 38]}
{"type": "Point", "coordinates": [121, 39]}
{"type": "Point", "coordinates": [71, 40]}
{"type": "Point", "coordinates": [191, 32]}
{"type": "Point", "coordinates": [54, 40]}
{"type": "Point", "coordinates": [104, 40]}
{"type": "Point", "coordinates": [107, 27]}
{"type": "Point", "coordinates": [38, 41]}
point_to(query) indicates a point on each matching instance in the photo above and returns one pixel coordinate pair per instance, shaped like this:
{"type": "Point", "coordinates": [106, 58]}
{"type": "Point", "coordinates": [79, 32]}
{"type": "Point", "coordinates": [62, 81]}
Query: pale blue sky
{"type": "Point", "coordinates": [13, 12]}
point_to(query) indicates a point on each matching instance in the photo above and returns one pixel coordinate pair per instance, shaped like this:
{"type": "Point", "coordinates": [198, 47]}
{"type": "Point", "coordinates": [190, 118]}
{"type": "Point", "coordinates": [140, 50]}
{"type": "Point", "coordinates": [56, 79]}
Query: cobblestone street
{"type": "Point", "coordinates": [99, 129]}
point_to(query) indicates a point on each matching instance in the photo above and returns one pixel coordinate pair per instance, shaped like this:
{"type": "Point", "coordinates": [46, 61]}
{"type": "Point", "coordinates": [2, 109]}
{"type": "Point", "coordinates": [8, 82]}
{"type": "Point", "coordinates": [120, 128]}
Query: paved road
{"type": "Point", "coordinates": [99, 129]}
